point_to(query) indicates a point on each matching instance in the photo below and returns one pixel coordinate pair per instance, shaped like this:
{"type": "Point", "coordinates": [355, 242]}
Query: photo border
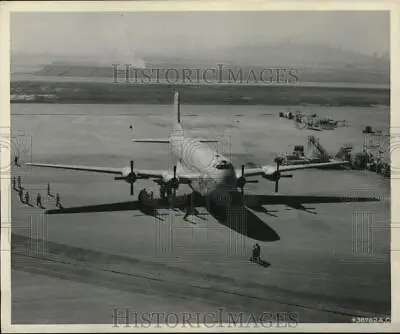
{"type": "Point", "coordinates": [102, 6]}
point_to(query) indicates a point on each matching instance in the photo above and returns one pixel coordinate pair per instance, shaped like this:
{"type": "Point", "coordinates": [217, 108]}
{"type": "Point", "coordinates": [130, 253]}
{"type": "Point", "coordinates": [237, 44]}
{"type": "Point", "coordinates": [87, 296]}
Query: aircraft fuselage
{"type": "Point", "coordinates": [218, 174]}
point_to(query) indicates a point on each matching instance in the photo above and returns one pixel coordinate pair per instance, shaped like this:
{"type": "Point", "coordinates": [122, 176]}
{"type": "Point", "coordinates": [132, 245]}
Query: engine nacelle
{"type": "Point", "coordinates": [127, 176]}
{"type": "Point", "coordinates": [269, 173]}
{"type": "Point", "coordinates": [170, 181]}
{"type": "Point", "coordinates": [167, 177]}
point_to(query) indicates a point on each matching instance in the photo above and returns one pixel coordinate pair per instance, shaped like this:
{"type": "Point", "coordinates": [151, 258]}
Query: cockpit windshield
{"type": "Point", "coordinates": [224, 165]}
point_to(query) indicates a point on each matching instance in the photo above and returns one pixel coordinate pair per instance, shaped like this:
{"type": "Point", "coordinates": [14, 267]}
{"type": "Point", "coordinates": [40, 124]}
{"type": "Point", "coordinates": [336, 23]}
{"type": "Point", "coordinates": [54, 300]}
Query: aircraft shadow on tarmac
{"type": "Point", "coordinates": [236, 216]}
{"type": "Point", "coordinates": [240, 219]}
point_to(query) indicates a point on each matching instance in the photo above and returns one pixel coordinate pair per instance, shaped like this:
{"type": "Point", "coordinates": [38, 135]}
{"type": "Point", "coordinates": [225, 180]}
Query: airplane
{"type": "Point", "coordinates": [207, 172]}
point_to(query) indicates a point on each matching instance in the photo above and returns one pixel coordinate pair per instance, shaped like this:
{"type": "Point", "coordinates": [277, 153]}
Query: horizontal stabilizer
{"type": "Point", "coordinates": [151, 140]}
{"type": "Point", "coordinates": [208, 141]}
{"type": "Point", "coordinates": [166, 141]}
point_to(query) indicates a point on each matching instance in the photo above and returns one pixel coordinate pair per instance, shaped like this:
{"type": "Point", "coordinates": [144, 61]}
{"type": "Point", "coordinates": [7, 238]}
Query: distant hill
{"type": "Point", "coordinates": [295, 55]}
{"type": "Point", "coordinates": [286, 54]}
{"type": "Point", "coordinates": [313, 62]}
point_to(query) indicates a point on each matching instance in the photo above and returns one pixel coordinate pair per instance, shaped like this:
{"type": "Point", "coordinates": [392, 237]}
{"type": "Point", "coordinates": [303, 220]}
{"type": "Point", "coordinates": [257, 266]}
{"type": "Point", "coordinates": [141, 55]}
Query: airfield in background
{"type": "Point", "coordinates": [322, 267]}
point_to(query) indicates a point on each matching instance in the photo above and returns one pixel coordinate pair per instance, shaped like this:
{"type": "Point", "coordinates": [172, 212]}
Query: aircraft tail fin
{"type": "Point", "coordinates": [177, 107]}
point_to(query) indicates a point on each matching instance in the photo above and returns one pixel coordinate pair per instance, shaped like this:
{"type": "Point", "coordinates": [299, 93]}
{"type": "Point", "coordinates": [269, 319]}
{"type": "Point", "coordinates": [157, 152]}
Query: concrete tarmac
{"type": "Point", "coordinates": [329, 265]}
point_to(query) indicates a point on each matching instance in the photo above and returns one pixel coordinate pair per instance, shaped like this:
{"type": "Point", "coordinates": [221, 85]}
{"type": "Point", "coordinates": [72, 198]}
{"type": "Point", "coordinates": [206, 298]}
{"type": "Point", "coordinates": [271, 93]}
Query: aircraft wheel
{"type": "Point", "coordinates": [162, 192]}
{"type": "Point", "coordinates": [140, 196]}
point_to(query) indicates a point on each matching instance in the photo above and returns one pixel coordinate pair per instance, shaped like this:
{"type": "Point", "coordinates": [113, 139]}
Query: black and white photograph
{"type": "Point", "coordinates": [189, 169]}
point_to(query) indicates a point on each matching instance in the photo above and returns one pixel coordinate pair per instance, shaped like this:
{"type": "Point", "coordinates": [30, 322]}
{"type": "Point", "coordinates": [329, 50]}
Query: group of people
{"type": "Point", "coordinates": [25, 197]}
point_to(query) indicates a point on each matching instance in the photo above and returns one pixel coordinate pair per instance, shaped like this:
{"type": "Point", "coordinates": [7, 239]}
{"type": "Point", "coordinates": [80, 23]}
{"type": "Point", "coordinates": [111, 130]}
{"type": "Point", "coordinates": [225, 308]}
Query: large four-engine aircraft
{"type": "Point", "coordinates": [206, 172]}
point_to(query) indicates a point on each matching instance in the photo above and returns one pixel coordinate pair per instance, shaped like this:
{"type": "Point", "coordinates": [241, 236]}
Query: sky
{"type": "Point", "coordinates": [185, 32]}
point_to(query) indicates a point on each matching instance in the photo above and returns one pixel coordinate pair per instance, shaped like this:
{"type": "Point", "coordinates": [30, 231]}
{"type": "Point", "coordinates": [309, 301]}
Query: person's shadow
{"type": "Point", "coordinates": [264, 263]}
{"type": "Point", "coordinates": [260, 262]}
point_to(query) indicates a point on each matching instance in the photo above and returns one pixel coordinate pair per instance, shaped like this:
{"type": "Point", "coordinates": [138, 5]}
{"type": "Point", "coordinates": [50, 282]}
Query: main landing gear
{"type": "Point", "coordinates": [186, 203]}
{"type": "Point", "coordinates": [165, 192]}
{"type": "Point", "coordinates": [146, 197]}
{"type": "Point", "coordinates": [167, 195]}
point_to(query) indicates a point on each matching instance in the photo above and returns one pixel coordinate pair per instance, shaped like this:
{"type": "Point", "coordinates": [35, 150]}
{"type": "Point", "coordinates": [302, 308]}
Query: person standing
{"type": "Point", "coordinates": [48, 190]}
{"type": "Point", "coordinates": [38, 200]}
{"type": "Point", "coordinates": [58, 201]}
{"type": "Point", "coordinates": [14, 183]}
{"type": "Point", "coordinates": [27, 197]}
{"type": "Point", "coordinates": [19, 182]}
{"type": "Point", "coordinates": [16, 162]}
{"type": "Point", "coordinates": [20, 194]}
{"type": "Point", "coordinates": [256, 254]}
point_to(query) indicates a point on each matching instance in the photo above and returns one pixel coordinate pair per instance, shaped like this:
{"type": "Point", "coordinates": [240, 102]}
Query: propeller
{"type": "Point", "coordinates": [241, 181]}
{"type": "Point", "coordinates": [278, 161]}
{"type": "Point", "coordinates": [174, 184]}
{"type": "Point", "coordinates": [131, 178]}
{"type": "Point", "coordinates": [277, 177]}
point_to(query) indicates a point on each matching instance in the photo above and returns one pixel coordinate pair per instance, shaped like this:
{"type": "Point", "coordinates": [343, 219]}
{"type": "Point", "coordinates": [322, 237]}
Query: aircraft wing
{"type": "Point", "coordinates": [108, 170]}
{"type": "Point", "coordinates": [159, 175]}
{"type": "Point", "coordinates": [141, 173]}
{"type": "Point", "coordinates": [270, 170]}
